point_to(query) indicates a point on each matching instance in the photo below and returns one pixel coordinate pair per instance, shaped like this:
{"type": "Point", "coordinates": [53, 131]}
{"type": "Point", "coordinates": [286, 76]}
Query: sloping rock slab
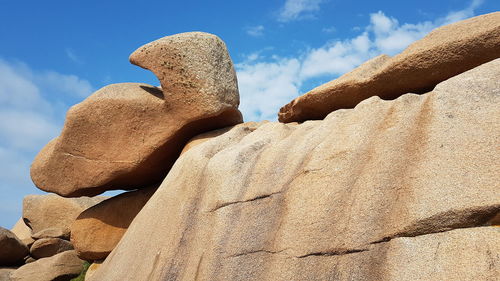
{"type": "Point", "coordinates": [250, 203]}
{"type": "Point", "coordinates": [443, 53]}
{"type": "Point", "coordinates": [23, 232]}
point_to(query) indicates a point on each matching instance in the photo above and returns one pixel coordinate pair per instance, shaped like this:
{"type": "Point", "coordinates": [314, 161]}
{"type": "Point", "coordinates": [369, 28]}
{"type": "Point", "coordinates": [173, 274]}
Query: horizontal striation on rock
{"type": "Point", "coordinates": [370, 193]}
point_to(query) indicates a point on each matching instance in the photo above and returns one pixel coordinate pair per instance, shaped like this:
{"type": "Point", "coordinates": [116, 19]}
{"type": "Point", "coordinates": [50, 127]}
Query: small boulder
{"type": "Point", "coordinates": [12, 250]}
{"type": "Point", "coordinates": [61, 267]}
{"type": "Point", "coordinates": [51, 211]}
{"type": "Point", "coordinates": [99, 149]}
{"type": "Point", "coordinates": [47, 247]}
{"type": "Point", "coordinates": [98, 229]}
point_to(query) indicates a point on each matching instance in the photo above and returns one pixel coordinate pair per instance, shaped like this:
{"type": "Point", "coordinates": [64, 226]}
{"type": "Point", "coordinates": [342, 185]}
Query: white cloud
{"type": "Point", "coordinates": [299, 9]}
{"type": "Point", "coordinates": [267, 84]}
{"type": "Point", "coordinates": [32, 107]}
{"type": "Point", "coordinates": [255, 31]}
{"type": "Point", "coordinates": [72, 56]}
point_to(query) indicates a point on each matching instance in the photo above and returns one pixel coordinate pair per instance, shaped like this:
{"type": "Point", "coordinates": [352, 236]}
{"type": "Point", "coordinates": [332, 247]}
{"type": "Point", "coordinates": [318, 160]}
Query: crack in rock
{"type": "Point", "coordinates": [244, 201]}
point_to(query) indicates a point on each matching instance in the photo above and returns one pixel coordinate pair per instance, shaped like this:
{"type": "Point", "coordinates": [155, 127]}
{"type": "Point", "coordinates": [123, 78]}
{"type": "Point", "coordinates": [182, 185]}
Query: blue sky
{"type": "Point", "coordinates": [53, 54]}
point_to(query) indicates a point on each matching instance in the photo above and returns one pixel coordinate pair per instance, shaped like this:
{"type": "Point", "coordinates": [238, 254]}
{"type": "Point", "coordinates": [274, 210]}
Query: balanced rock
{"type": "Point", "coordinates": [12, 250]}
{"type": "Point", "coordinates": [390, 190]}
{"type": "Point", "coordinates": [61, 267]}
{"type": "Point", "coordinates": [23, 232]}
{"type": "Point", "coordinates": [98, 229]}
{"type": "Point", "coordinates": [443, 53]}
{"type": "Point", "coordinates": [127, 136]}
{"type": "Point", "coordinates": [42, 212]}
{"type": "Point", "coordinates": [47, 247]}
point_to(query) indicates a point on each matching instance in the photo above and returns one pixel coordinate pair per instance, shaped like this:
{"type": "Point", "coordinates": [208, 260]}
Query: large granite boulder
{"type": "Point", "coordinates": [443, 53]}
{"type": "Point", "coordinates": [98, 229]}
{"type": "Point", "coordinates": [12, 249]}
{"type": "Point", "coordinates": [61, 267]}
{"type": "Point", "coordinates": [390, 190]}
{"type": "Point", "coordinates": [127, 136]}
{"type": "Point", "coordinates": [53, 213]}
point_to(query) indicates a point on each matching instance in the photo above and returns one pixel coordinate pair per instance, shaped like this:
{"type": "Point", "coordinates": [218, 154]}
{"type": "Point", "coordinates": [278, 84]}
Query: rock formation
{"type": "Point", "coordinates": [42, 212]}
{"type": "Point", "coordinates": [63, 266]}
{"type": "Point", "coordinates": [390, 190]}
{"type": "Point", "coordinates": [127, 136]}
{"type": "Point", "coordinates": [443, 53]}
{"type": "Point", "coordinates": [98, 229]}
{"type": "Point", "coordinates": [405, 189]}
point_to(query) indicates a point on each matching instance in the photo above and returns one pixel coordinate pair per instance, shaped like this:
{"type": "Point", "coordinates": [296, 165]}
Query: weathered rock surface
{"type": "Point", "coordinates": [41, 212]}
{"type": "Point", "coordinates": [443, 53]}
{"type": "Point", "coordinates": [5, 273]}
{"type": "Point", "coordinates": [98, 229]}
{"type": "Point", "coordinates": [23, 232]}
{"type": "Point", "coordinates": [366, 194]}
{"type": "Point", "coordinates": [12, 250]}
{"type": "Point", "coordinates": [61, 267]}
{"type": "Point", "coordinates": [47, 247]}
{"type": "Point", "coordinates": [127, 136]}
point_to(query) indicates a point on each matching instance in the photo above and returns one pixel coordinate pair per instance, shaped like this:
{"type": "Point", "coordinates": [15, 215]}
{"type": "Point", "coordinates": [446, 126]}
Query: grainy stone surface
{"type": "Point", "coordinates": [372, 193]}
{"type": "Point", "coordinates": [98, 229]}
{"type": "Point", "coordinates": [42, 212]}
{"type": "Point", "coordinates": [23, 232]}
{"type": "Point", "coordinates": [443, 53]}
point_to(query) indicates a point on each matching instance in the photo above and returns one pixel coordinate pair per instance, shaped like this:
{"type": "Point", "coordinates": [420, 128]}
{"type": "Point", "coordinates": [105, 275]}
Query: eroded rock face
{"type": "Point", "coordinates": [63, 267]}
{"type": "Point", "coordinates": [54, 213]}
{"type": "Point", "coordinates": [98, 229]}
{"type": "Point", "coordinates": [48, 247]}
{"type": "Point", "coordinates": [372, 193]}
{"type": "Point", "coordinates": [443, 53]}
{"type": "Point", "coordinates": [12, 250]}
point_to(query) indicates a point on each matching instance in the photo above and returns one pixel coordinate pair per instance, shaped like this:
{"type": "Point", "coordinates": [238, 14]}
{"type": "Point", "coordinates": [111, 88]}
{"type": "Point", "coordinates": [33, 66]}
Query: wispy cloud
{"type": "Point", "coordinates": [32, 109]}
{"type": "Point", "coordinates": [255, 31]}
{"type": "Point", "coordinates": [268, 82]}
{"type": "Point", "coordinates": [299, 9]}
{"type": "Point", "coordinates": [70, 53]}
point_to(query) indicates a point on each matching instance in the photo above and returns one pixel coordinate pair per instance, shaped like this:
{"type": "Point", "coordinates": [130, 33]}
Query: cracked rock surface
{"type": "Point", "coordinates": [390, 190]}
{"type": "Point", "coordinates": [128, 135]}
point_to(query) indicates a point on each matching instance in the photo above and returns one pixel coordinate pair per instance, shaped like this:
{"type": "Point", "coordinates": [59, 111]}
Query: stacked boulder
{"type": "Point", "coordinates": [38, 246]}
{"type": "Point", "coordinates": [123, 137]}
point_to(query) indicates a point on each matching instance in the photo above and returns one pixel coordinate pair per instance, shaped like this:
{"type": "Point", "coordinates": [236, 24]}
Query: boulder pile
{"type": "Point", "coordinates": [392, 173]}
{"type": "Point", "coordinates": [124, 136]}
